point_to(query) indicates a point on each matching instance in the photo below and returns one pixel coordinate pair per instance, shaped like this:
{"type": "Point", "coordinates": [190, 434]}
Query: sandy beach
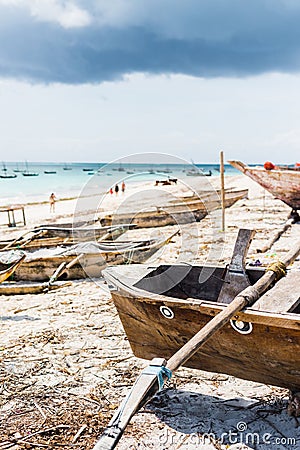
{"type": "Point", "coordinates": [65, 361]}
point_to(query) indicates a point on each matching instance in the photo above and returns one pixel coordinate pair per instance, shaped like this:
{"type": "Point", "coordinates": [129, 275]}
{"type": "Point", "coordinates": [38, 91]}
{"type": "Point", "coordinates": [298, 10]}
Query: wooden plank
{"type": "Point", "coordinates": [284, 297]}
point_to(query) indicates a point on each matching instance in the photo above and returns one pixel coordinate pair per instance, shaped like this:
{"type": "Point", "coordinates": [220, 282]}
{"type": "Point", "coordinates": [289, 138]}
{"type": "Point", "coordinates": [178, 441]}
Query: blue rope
{"type": "Point", "coordinates": [159, 371]}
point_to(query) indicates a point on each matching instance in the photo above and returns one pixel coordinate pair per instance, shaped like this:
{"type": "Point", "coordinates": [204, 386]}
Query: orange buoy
{"type": "Point", "coordinates": [268, 165]}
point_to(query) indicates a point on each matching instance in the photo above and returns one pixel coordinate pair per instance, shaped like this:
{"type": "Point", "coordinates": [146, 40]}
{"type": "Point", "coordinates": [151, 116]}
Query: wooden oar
{"type": "Point", "coordinates": [19, 239]}
{"type": "Point", "coordinates": [151, 379]}
{"type": "Point", "coordinates": [8, 272]}
{"type": "Point", "coordinates": [62, 268]}
{"type": "Point", "coordinates": [32, 238]}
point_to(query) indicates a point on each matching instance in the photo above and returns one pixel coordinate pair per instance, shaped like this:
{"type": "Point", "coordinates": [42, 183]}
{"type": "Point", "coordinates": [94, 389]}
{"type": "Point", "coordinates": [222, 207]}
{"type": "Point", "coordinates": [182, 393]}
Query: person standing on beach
{"type": "Point", "coordinates": [111, 191]}
{"type": "Point", "coordinates": [52, 200]}
{"type": "Point", "coordinates": [123, 186]}
{"type": "Point", "coordinates": [116, 189]}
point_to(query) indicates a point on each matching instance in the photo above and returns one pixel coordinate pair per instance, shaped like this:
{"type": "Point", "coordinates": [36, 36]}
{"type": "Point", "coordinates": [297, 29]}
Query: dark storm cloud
{"type": "Point", "coordinates": [200, 38]}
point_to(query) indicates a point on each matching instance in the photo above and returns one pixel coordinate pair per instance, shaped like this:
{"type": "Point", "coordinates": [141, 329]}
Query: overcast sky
{"type": "Point", "coordinates": [94, 80]}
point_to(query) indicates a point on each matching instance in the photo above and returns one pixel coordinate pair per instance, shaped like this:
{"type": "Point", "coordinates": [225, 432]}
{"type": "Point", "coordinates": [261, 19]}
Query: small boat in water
{"type": "Point", "coordinates": [17, 170]}
{"type": "Point", "coordinates": [283, 183]}
{"type": "Point", "coordinates": [6, 174]}
{"type": "Point", "coordinates": [50, 172]}
{"type": "Point", "coordinates": [27, 173]}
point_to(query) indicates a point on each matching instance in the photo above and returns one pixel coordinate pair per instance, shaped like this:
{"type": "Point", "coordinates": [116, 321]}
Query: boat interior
{"type": "Point", "coordinates": [185, 281]}
{"type": "Point", "coordinates": [205, 283]}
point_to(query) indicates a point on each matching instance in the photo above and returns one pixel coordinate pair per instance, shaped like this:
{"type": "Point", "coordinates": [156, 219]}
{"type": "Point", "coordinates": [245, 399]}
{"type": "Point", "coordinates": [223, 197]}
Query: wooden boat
{"type": "Point", "coordinates": [6, 273]}
{"type": "Point", "coordinates": [91, 258]}
{"type": "Point", "coordinates": [166, 182]}
{"type": "Point", "coordinates": [282, 183]}
{"type": "Point", "coordinates": [78, 224]}
{"type": "Point", "coordinates": [162, 308]}
{"type": "Point", "coordinates": [86, 233]}
{"type": "Point", "coordinates": [29, 287]}
{"type": "Point", "coordinates": [211, 200]}
{"type": "Point", "coordinates": [157, 217]}
{"type": "Point", "coordinates": [198, 173]}
{"type": "Point", "coordinates": [179, 213]}
{"type": "Point", "coordinates": [188, 210]}
{"type": "Point", "coordinates": [49, 236]}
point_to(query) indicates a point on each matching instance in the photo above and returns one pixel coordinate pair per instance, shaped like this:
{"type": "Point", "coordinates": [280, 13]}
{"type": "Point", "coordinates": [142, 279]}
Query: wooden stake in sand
{"type": "Point", "coordinates": [222, 188]}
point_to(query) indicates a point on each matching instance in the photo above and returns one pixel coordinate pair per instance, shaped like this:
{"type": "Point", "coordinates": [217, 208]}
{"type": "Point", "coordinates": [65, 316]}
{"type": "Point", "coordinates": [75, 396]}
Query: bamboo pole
{"type": "Point", "coordinates": [222, 188]}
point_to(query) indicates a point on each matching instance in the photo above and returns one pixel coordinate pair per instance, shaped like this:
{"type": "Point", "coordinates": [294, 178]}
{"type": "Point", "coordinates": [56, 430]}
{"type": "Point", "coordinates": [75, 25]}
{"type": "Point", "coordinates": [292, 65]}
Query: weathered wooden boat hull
{"type": "Point", "coordinates": [77, 224]}
{"type": "Point", "coordinates": [6, 273]}
{"type": "Point", "coordinates": [90, 264]}
{"type": "Point", "coordinates": [269, 354]}
{"type": "Point", "coordinates": [53, 237]}
{"type": "Point", "coordinates": [284, 184]}
{"type": "Point", "coordinates": [159, 218]}
{"type": "Point", "coordinates": [87, 233]}
{"type": "Point", "coordinates": [211, 201]}
{"type": "Point", "coordinates": [184, 210]}
{"type": "Point", "coordinates": [21, 288]}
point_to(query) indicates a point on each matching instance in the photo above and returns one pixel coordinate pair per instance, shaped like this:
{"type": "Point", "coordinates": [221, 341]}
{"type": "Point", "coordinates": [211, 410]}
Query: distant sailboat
{"type": "Point", "coordinates": [5, 174]}
{"type": "Point", "coordinates": [26, 172]}
{"type": "Point", "coordinates": [66, 167]}
{"type": "Point", "coordinates": [17, 170]}
{"type": "Point", "coordinates": [119, 169]}
{"type": "Point", "coordinates": [166, 170]}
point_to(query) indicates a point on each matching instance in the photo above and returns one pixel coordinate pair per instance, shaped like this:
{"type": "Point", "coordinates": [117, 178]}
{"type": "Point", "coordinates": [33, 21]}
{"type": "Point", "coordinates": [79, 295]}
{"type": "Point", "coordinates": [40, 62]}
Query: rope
{"type": "Point", "coordinates": [129, 258]}
{"type": "Point", "coordinates": [159, 371]}
{"type": "Point", "coordinates": [279, 268]}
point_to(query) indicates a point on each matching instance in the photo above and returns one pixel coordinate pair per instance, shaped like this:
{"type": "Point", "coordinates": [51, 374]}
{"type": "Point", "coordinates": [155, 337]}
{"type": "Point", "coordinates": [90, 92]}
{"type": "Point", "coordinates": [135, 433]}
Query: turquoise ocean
{"type": "Point", "coordinates": [68, 180]}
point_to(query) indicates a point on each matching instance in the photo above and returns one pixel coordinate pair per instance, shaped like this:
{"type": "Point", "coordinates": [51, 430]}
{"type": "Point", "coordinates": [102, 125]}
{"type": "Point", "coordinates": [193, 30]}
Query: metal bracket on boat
{"type": "Point", "coordinates": [166, 312]}
{"type": "Point", "coordinates": [112, 287]}
{"type": "Point", "coordinates": [241, 327]}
